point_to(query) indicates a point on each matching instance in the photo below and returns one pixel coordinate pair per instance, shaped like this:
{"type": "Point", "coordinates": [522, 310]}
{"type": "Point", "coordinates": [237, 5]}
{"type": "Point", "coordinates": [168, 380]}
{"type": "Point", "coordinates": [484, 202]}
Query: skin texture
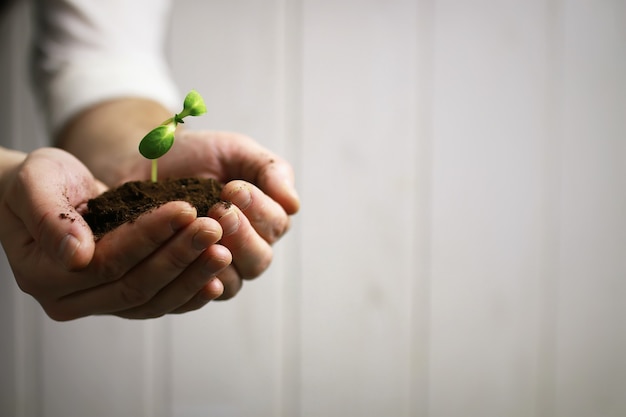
{"type": "Point", "coordinates": [169, 260]}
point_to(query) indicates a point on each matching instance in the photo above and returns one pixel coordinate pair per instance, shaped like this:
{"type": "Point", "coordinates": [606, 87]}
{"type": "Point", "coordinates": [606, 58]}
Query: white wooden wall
{"type": "Point", "coordinates": [462, 245]}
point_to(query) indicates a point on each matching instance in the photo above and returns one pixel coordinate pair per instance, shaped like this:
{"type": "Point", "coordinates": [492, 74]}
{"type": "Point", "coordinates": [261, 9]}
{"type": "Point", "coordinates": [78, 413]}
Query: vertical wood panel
{"type": "Point", "coordinates": [591, 365]}
{"type": "Point", "coordinates": [419, 385]}
{"type": "Point", "coordinates": [550, 205]}
{"type": "Point", "coordinates": [489, 141]}
{"type": "Point", "coordinates": [101, 362]}
{"type": "Point", "coordinates": [359, 153]}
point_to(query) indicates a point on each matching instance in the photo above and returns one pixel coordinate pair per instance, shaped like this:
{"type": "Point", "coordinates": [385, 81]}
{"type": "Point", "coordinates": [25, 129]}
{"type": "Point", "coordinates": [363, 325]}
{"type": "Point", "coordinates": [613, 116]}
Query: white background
{"type": "Point", "coordinates": [461, 250]}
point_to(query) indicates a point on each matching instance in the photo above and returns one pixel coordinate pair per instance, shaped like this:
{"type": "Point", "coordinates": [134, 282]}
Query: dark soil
{"type": "Point", "coordinates": [127, 202]}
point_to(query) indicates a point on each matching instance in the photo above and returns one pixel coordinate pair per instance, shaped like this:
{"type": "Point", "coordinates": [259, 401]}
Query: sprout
{"type": "Point", "coordinates": [160, 139]}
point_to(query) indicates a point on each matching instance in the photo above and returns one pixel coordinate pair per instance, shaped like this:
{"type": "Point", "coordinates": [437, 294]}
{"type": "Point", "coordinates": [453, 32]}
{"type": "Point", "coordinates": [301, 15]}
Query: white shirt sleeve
{"type": "Point", "coordinates": [89, 51]}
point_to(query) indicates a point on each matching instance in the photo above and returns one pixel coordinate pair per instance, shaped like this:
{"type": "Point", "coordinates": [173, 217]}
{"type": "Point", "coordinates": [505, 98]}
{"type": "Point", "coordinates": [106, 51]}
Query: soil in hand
{"type": "Point", "coordinates": [128, 201]}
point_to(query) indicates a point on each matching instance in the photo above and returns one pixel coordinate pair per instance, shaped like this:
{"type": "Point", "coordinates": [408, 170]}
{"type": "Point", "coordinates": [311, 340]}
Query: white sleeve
{"type": "Point", "coordinates": [89, 51]}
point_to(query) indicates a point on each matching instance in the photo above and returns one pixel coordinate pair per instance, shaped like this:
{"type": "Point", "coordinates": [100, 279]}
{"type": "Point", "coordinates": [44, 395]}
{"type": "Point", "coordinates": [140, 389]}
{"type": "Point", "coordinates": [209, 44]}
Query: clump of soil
{"type": "Point", "coordinates": [127, 202]}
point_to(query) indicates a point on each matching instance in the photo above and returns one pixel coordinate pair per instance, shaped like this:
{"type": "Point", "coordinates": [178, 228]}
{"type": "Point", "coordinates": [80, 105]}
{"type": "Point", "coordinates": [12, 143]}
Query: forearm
{"type": "Point", "coordinates": [106, 136]}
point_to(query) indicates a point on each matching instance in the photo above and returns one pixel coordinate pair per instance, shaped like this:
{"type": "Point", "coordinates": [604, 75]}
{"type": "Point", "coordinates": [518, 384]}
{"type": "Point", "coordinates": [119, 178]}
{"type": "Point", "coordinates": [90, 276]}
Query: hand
{"type": "Point", "coordinates": [165, 262]}
{"type": "Point", "coordinates": [258, 183]}
{"type": "Point", "coordinates": [105, 138]}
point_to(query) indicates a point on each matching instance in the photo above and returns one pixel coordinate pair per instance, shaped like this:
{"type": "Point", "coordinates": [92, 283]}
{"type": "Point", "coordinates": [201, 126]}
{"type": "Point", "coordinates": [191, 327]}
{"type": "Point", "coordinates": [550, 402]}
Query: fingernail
{"type": "Point", "coordinates": [217, 262]}
{"type": "Point", "coordinates": [182, 219]}
{"type": "Point", "coordinates": [241, 197]}
{"type": "Point", "coordinates": [67, 250]}
{"type": "Point", "coordinates": [289, 188]}
{"type": "Point", "coordinates": [203, 239]}
{"type": "Point", "coordinates": [229, 222]}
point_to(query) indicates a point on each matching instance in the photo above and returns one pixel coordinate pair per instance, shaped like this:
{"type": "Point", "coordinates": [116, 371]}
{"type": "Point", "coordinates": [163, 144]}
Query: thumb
{"type": "Point", "coordinates": [276, 178]}
{"type": "Point", "coordinates": [246, 159]}
{"type": "Point", "coordinates": [44, 196]}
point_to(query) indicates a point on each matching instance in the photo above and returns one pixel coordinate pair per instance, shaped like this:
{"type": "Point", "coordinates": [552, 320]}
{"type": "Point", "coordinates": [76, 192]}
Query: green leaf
{"type": "Point", "coordinates": [157, 142]}
{"type": "Point", "coordinates": [194, 104]}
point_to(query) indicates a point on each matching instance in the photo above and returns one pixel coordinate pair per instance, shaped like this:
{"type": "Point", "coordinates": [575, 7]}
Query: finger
{"type": "Point", "coordinates": [189, 285]}
{"type": "Point", "coordinates": [119, 251]}
{"type": "Point", "coordinates": [275, 177]}
{"type": "Point", "coordinates": [272, 174]}
{"type": "Point", "coordinates": [209, 292]}
{"type": "Point", "coordinates": [231, 281]}
{"type": "Point", "coordinates": [267, 217]}
{"type": "Point", "coordinates": [251, 253]}
{"type": "Point", "coordinates": [148, 278]}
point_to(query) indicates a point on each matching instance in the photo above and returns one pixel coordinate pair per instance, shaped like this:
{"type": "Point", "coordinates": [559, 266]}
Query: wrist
{"type": "Point", "coordinates": [106, 138]}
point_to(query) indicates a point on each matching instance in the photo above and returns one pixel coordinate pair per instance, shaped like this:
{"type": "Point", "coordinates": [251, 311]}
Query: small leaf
{"type": "Point", "coordinates": [194, 104]}
{"type": "Point", "coordinates": [157, 142]}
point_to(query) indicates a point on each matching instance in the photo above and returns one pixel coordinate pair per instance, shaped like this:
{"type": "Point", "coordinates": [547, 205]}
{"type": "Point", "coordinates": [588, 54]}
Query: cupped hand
{"type": "Point", "coordinates": [165, 262]}
{"type": "Point", "coordinates": [260, 185]}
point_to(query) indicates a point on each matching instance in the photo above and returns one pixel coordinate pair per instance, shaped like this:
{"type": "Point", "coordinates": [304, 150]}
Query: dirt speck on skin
{"type": "Point", "coordinates": [67, 216]}
{"type": "Point", "coordinates": [127, 202]}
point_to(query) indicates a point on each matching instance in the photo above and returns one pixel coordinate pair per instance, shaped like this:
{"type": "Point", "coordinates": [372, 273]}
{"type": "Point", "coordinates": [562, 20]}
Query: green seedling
{"type": "Point", "coordinates": [160, 139]}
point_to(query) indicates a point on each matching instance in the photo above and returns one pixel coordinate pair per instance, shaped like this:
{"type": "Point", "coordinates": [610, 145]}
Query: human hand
{"type": "Point", "coordinates": [258, 183]}
{"type": "Point", "coordinates": [164, 262]}
{"type": "Point", "coordinates": [247, 169]}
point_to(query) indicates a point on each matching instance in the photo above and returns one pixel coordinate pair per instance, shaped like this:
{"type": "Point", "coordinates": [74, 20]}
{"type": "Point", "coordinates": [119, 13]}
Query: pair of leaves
{"type": "Point", "coordinates": [160, 139]}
